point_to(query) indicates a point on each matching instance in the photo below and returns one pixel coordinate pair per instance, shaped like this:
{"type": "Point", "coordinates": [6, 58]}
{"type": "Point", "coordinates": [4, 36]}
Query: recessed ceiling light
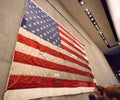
{"type": "Point", "coordinates": [81, 2]}
{"type": "Point", "coordinates": [106, 41]}
{"type": "Point", "coordinates": [90, 16]}
{"type": "Point", "coordinates": [92, 19]}
{"type": "Point", "coordinates": [97, 28]}
{"type": "Point", "coordinates": [103, 38]}
{"type": "Point", "coordinates": [88, 12]}
{"type": "Point", "coordinates": [100, 33]}
{"type": "Point", "coordinates": [86, 9]}
{"type": "Point", "coordinates": [94, 23]}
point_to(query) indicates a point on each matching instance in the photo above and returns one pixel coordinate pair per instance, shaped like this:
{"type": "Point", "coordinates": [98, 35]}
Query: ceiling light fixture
{"type": "Point", "coordinates": [81, 2]}
{"type": "Point", "coordinates": [92, 19]}
{"type": "Point", "coordinates": [104, 39]}
{"type": "Point", "coordinates": [86, 9]}
{"type": "Point", "coordinates": [90, 16]}
{"type": "Point", "coordinates": [97, 27]}
{"type": "Point", "coordinates": [94, 23]}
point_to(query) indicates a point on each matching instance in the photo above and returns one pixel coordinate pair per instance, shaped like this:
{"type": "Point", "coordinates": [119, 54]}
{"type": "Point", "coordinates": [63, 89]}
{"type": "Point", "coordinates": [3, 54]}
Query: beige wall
{"type": "Point", "coordinates": [11, 12]}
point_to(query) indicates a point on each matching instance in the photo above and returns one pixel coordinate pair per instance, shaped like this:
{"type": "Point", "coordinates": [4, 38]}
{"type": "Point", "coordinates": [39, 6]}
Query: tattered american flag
{"type": "Point", "coordinates": [47, 55]}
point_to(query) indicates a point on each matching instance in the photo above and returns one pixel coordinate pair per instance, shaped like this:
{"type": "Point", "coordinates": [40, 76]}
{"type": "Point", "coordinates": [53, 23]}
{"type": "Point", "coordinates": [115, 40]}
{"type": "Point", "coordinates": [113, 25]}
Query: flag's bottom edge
{"type": "Point", "coordinates": [26, 94]}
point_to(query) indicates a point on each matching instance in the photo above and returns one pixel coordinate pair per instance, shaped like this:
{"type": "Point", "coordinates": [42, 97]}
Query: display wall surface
{"type": "Point", "coordinates": [11, 18]}
{"type": "Point", "coordinates": [48, 60]}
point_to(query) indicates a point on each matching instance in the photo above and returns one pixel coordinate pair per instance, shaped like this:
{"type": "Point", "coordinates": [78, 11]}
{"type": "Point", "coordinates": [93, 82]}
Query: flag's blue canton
{"type": "Point", "coordinates": [39, 23]}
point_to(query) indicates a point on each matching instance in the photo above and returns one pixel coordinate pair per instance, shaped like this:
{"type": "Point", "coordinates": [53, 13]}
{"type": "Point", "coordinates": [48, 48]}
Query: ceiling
{"type": "Point", "coordinates": [97, 10]}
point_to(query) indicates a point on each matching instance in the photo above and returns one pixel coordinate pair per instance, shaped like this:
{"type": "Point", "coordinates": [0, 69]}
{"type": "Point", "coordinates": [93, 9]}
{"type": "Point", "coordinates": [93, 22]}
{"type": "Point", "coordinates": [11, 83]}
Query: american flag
{"type": "Point", "coordinates": [47, 55]}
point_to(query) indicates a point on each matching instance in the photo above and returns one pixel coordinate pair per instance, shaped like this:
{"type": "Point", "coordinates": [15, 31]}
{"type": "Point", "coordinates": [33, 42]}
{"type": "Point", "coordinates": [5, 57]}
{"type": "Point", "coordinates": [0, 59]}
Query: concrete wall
{"type": "Point", "coordinates": [10, 18]}
{"type": "Point", "coordinates": [11, 12]}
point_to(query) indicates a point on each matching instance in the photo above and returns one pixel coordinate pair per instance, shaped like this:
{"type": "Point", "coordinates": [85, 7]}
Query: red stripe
{"type": "Point", "coordinates": [72, 45]}
{"type": "Point", "coordinates": [66, 48]}
{"type": "Point", "coordinates": [74, 40]}
{"type": "Point", "coordinates": [48, 50]}
{"type": "Point", "coordinates": [27, 59]}
{"type": "Point", "coordinates": [25, 82]}
{"type": "Point", "coordinates": [70, 38]}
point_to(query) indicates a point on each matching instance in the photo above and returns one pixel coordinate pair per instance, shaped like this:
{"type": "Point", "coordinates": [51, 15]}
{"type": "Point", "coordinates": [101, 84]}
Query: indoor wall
{"type": "Point", "coordinates": [12, 11]}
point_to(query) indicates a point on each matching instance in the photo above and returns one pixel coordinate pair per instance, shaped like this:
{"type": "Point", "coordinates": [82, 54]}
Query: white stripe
{"type": "Point", "coordinates": [72, 43]}
{"type": "Point", "coordinates": [72, 38]}
{"type": "Point", "coordinates": [30, 70]}
{"type": "Point", "coordinates": [46, 43]}
{"type": "Point", "coordinates": [26, 94]}
{"type": "Point", "coordinates": [36, 53]}
{"type": "Point", "coordinates": [78, 47]}
{"type": "Point", "coordinates": [76, 51]}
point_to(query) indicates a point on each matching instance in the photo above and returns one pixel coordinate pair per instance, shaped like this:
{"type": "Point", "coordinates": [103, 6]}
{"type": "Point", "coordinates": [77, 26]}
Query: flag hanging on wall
{"type": "Point", "coordinates": [48, 60]}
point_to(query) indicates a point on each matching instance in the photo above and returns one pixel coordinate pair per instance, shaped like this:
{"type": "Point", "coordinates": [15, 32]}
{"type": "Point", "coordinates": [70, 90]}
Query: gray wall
{"type": "Point", "coordinates": [11, 12]}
